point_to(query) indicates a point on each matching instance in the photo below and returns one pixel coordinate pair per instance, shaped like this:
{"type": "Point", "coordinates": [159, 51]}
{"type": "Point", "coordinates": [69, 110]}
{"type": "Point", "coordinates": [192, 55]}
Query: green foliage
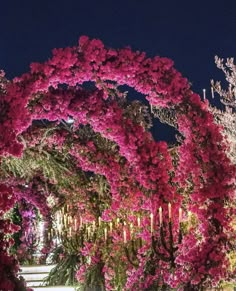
{"type": "Point", "coordinates": [64, 272]}
{"type": "Point", "coordinates": [16, 219]}
{"type": "Point", "coordinates": [94, 279]}
{"type": "Point", "coordinates": [33, 162]}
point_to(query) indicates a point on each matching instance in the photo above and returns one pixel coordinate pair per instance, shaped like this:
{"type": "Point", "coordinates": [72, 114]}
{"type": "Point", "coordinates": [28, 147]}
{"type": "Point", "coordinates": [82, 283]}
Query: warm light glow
{"type": "Point", "coordinates": [117, 221]}
{"type": "Point", "coordinates": [204, 94]}
{"type": "Point", "coordinates": [110, 224]}
{"type": "Point", "coordinates": [139, 221]}
{"type": "Point", "coordinates": [212, 93]}
{"type": "Point", "coordinates": [151, 222]}
{"type": "Point", "coordinates": [180, 214]}
{"type": "Point", "coordinates": [81, 221]}
{"type": "Point", "coordinates": [105, 233]}
{"type": "Point", "coordinates": [65, 220]}
{"type": "Point", "coordinates": [160, 215]}
{"type": "Point", "coordinates": [94, 225]}
{"type": "Point", "coordinates": [75, 224]}
{"type": "Point", "coordinates": [169, 211]}
{"type": "Point", "coordinates": [125, 237]}
{"type": "Point", "coordinates": [131, 229]}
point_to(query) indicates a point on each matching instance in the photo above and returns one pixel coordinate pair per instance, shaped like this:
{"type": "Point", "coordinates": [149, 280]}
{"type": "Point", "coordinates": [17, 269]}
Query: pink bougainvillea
{"type": "Point", "coordinates": [53, 91]}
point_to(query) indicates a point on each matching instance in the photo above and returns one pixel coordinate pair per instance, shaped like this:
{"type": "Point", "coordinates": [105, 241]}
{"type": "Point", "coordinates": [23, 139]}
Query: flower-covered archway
{"type": "Point", "coordinates": [179, 205]}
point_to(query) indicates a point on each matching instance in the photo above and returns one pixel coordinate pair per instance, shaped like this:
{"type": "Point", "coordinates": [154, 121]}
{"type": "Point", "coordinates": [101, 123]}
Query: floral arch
{"type": "Point", "coordinates": [143, 176]}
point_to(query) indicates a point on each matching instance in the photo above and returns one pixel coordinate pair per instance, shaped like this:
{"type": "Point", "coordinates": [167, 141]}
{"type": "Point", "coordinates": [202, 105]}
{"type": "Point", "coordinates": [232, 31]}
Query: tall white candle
{"type": "Point", "coordinates": [65, 220]}
{"type": "Point", "coordinates": [75, 224]}
{"type": "Point", "coordinates": [139, 221]}
{"type": "Point", "coordinates": [212, 92]}
{"type": "Point", "coordinates": [160, 215]}
{"type": "Point", "coordinates": [117, 221]}
{"type": "Point", "coordinates": [180, 214]}
{"type": "Point", "coordinates": [125, 237]}
{"type": "Point", "coordinates": [169, 211]}
{"type": "Point", "coordinates": [94, 225]}
{"type": "Point", "coordinates": [204, 94]}
{"type": "Point", "coordinates": [110, 224]}
{"type": "Point", "coordinates": [151, 221]}
{"type": "Point", "coordinates": [131, 230]}
{"type": "Point", "coordinates": [105, 233]}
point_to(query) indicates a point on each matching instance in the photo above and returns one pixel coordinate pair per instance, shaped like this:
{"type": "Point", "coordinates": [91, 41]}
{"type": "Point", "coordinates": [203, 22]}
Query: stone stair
{"type": "Point", "coordinates": [35, 275]}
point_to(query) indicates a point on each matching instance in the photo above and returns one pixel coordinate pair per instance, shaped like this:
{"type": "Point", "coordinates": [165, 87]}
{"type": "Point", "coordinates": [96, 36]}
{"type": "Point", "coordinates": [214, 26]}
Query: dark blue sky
{"type": "Point", "coordinates": [189, 32]}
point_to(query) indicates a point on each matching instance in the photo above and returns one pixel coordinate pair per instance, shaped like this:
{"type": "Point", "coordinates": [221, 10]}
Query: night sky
{"type": "Point", "coordinates": [189, 32]}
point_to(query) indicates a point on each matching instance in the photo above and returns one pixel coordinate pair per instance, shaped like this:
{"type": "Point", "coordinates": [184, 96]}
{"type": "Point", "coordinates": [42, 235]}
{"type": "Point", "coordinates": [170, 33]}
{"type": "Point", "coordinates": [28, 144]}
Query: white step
{"type": "Point", "coordinates": [36, 269]}
{"type": "Point", "coordinates": [34, 277]}
{"type": "Point", "coordinates": [55, 288]}
{"type": "Point", "coordinates": [34, 283]}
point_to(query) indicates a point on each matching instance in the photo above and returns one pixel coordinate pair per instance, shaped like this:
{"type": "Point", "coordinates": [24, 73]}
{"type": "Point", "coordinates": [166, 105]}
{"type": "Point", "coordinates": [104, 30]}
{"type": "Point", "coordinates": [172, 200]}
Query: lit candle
{"type": "Point", "coordinates": [60, 230]}
{"type": "Point", "coordinates": [65, 220]}
{"type": "Point", "coordinates": [125, 238]}
{"type": "Point", "coordinates": [70, 231]}
{"type": "Point", "coordinates": [151, 221]}
{"type": "Point", "coordinates": [139, 221]}
{"type": "Point", "coordinates": [75, 224]}
{"type": "Point", "coordinates": [117, 221]}
{"type": "Point", "coordinates": [160, 215]}
{"type": "Point", "coordinates": [131, 229]}
{"type": "Point", "coordinates": [169, 211]}
{"type": "Point", "coordinates": [212, 93]}
{"type": "Point", "coordinates": [105, 233]}
{"type": "Point", "coordinates": [204, 94]}
{"type": "Point", "coordinates": [60, 216]}
{"type": "Point", "coordinates": [99, 221]}
{"type": "Point", "coordinates": [94, 226]}
{"type": "Point", "coordinates": [81, 222]}
{"type": "Point", "coordinates": [110, 224]}
{"type": "Point", "coordinates": [180, 214]}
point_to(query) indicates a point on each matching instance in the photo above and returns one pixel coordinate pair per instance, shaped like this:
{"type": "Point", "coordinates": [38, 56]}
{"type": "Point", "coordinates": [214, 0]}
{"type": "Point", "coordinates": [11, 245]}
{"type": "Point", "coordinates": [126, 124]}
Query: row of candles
{"type": "Point", "coordinates": [212, 91]}
{"type": "Point", "coordinates": [204, 95]}
{"type": "Point", "coordinates": [67, 225]}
